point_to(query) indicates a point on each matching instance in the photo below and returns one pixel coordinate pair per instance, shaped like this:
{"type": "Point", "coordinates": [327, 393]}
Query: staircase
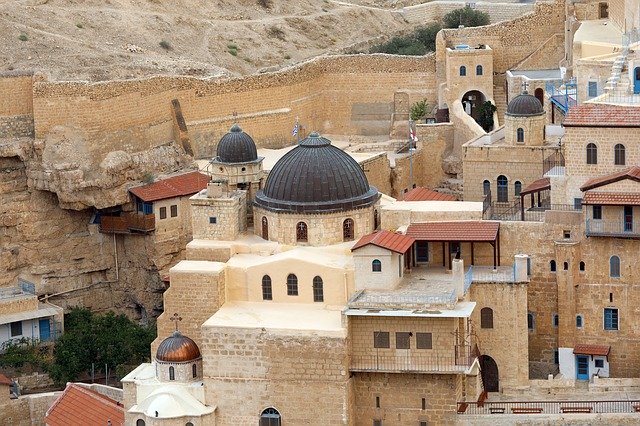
{"type": "Point", "coordinates": [500, 98]}
{"type": "Point", "coordinates": [618, 82]}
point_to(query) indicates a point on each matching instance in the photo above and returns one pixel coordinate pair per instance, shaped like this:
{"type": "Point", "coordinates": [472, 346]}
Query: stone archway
{"type": "Point", "coordinates": [489, 372]}
{"type": "Point", "coordinates": [471, 102]}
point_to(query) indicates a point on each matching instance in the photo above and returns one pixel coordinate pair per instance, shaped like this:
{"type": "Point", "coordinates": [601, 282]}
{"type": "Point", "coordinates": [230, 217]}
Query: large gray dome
{"type": "Point", "coordinates": [236, 147]}
{"type": "Point", "coordinates": [524, 105]}
{"type": "Point", "coordinates": [316, 177]}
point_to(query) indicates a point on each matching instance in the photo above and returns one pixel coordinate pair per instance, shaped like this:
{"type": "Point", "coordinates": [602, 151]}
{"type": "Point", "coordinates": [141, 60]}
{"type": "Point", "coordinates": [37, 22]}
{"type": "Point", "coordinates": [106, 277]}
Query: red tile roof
{"type": "Point", "coordinates": [78, 406]}
{"type": "Point", "coordinates": [175, 186]}
{"type": "Point", "coordinates": [424, 194]}
{"type": "Point", "coordinates": [632, 173]}
{"type": "Point", "coordinates": [4, 380]}
{"type": "Point", "coordinates": [599, 350]}
{"type": "Point", "coordinates": [602, 115]}
{"type": "Point", "coordinates": [612, 198]}
{"type": "Point", "coordinates": [537, 186]}
{"type": "Point", "coordinates": [387, 240]}
{"type": "Point", "coordinates": [454, 231]}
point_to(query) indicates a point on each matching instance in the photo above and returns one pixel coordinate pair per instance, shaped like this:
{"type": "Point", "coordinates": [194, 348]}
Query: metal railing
{"type": "Point", "coordinates": [22, 289]}
{"type": "Point", "coordinates": [468, 279]}
{"type": "Point", "coordinates": [554, 165]}
{"type": "Point", "coordinates": [565, 96]}
{"type": "Point", "coordinates": [531, 214]}
{"type": "Point", "coordinates": [390, 300]}
{"type": "Point", "coordinates": [549, 407]}
{"type": "Point", "coordinates": [411, 363]}
{"type": "Point", "coordinates": [612, 228]}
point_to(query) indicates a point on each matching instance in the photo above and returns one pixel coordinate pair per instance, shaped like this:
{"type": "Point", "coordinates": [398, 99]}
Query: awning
{"type": "Point", "coordinates": [597, 350]}
{"type": "Point", "coordinates": [43, 311]}
{"type": "Point", "coordinates": [462, 231]}
{"type": "Point", "coordinates": [611, 198]}
{"type": "Point", "coordinates": [537, 186]}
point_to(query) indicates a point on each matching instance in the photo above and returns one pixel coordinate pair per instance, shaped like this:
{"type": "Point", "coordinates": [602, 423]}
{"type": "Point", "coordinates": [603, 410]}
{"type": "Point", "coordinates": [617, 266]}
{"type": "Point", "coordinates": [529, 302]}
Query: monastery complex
{"type": "Point", "coordinates": [349, 274]}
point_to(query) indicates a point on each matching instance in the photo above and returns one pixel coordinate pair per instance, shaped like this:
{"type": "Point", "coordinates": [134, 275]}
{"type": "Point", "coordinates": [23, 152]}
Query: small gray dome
{"type": "Point", "coordinates": [316, 177]}
{"type": "Point", "coordinates": [524, 105]}
{"type": "Point", "coordinates": [236, 147]}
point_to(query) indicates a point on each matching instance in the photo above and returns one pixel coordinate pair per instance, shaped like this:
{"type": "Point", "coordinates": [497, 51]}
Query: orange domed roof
{"type": "Point", "coordinates": [178, 348]}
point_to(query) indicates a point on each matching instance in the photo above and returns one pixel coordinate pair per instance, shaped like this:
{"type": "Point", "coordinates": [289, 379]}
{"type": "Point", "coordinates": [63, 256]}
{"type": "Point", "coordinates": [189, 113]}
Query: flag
{"type": "Point", "coordinates": [295, 129]}
{"type": "Point", "coordinates": [412, 135]}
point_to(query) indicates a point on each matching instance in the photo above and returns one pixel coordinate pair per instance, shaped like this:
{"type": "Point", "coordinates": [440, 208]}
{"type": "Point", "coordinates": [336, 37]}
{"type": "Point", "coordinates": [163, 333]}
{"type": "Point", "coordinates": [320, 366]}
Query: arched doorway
{"type": "Point", "coordinates": [489, 372]}
{"type": "Point", "coordinates": [539, 94]}
{"type": "Point", "coordinates": [471, 101]}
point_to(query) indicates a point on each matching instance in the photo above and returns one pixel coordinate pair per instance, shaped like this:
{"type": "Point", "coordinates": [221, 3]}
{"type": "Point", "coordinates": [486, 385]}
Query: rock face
{"type": "Point", "coordinates": [49, 191]}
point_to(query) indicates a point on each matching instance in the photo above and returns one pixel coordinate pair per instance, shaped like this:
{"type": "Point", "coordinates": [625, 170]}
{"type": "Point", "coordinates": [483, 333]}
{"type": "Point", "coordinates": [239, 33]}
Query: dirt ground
{"type": "Point", "coordinates": [100, 40]}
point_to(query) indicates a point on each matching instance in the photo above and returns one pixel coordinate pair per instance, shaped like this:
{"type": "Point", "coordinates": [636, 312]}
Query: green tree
{"type": "Point", "coordinates": [89, 338]}
{"type": "Point", "coordinates": [419, 110]}
{"type": "Point", "coordinates": [485, 115]}
{"type": "Point", "coordinates": [465, 16]}
{"type": "Point", "coordinates": [427, 35]}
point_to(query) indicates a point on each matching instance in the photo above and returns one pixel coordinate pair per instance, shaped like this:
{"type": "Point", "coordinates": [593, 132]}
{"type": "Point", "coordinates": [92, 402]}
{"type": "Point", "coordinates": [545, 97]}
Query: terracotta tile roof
{"type": "Point", "coordinates": [612, 198]}
{"type": "Point", "coordinates": [78, 406]}
{"type": "Point", "coordinates": [602, 115]}
{"type": "Point", "coordinates": [454, 231]}
{"type": "Point", "coordinates": [388, 240]}
{"type": "Point", "coordinates": [4, 380]}
{"type": "Point", "coordinates": [425, 194]}
{"type": "Point", "coordinates": [175, 186]}
{"type": "Point", "coordinates": [599, 350]}
{"type": "Point", "coordinates": [632, 173]}
{"type": "Point", "coordinates": [537, 186]}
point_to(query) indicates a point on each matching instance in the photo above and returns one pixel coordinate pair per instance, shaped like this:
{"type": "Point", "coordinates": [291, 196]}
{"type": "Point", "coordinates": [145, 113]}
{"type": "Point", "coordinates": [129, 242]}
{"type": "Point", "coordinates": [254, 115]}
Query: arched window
{"type": "Point", "coordinates": [520, 135]}
{"type": "Point", "coordinates": [172, 373]}
{"type": "Point", "coordinates": [376, 266]}
{"type": "Point", "coordinates": [463, 71]}
{"type": "Point", "coordinates": [581, 266]}
{"type": "Point", "coordinates": [614, 267]}
{"type": "Point", "coordinates": [301, 232]}
{"type": "Point", "coordinates": [140, 422]}
{"type": "Point", "coordinates": [486, 318]}
{"type": "Point", "coordinates": [552, 266]}
{"type": "Point", "coordinates": [592, 153]}
{"type": "Point", "coordinates": [270, 417]}
{"type": "Point", "coordinates": [555, 320]}
{"type": "Point", "coordinates": [265, 228]}
{"type": "Point", "coordinates": [531, 321]}
{"type": "Point", "coordinates": [486, 187]}
{"type": "Point", "coordinates": [565, 266]}
{"type": "Point", "coordinates": [292, 285]}
{"type": "Point", "coordinates": [539, 94]}
{"type": "Point", "coordinates": [188, 424]}
{"type": "Point", "coordinates": [347, 230]}
{"type": "Point", "coordinates": [478, 69]}
{"type": "Point", "coordinates": [517, 188]}
{"type": "Point", "coordinates": [194, 370]}
{"type": "Point", "coordinates": [579, 321]}
{"type": "Point", "coordinates": [618, 152]}
{"type": "Point", "coordinates": [503, 189]}
{"type": "Point", "coordinates": [267, 290]}
{"type": "Point", "coordinates": [318, 290]}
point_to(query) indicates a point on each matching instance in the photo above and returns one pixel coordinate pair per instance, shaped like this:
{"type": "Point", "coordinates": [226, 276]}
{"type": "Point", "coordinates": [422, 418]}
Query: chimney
{"type": "Point", "coordinates": [215, 189]}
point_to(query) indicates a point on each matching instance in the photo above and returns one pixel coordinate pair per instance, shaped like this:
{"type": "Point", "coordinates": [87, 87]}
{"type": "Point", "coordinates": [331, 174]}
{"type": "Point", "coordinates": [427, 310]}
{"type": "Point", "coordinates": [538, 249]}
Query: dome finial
{"type": "Point", "coordinates": [524, 87]}
{"type": "Point", "coordinates": [235, 128]}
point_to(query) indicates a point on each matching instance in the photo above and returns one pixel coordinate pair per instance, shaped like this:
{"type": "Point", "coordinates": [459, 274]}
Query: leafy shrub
{"type": "Point", "coordinates": [275, 32]}
{"type": "Point", "coordinates": [465, 16]}
{"type": "Point", "coordinates": [165, 45]}
{"type": "Point", "coordinates": [23, 37]}
{"type": "Point", "coordinates": [401, 46]}
{"type": "Point", "coordinates": [485, 115]}
{"type": "Point", "coordinates": [419, 110]}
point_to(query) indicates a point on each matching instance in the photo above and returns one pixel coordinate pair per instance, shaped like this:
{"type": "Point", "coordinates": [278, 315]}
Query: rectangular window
{"type": "Point", "coordinates": [424, 423]}
{"type": "Point", "coordinates": [423, 340]}
{"type": "Point", "coordinates": [212, 220]}
{"type": "Point", "coordinates": [556, 357]}
{"type": "Point", "coordinates": [403, 340]}
{"type": "Point", "coordinates": [424, 403]}
{"type": "Point", "coordinates": [611, 318]}
{"type": "Point", "coordinates": [380, 339]}
{"type": "Point", "coordinates": [163, 212]}
{"type": "Point", "coordinates": [577, 203]}
{"type": "Point", "coordinates": [599, 363]}
{"type": "Point", "coordinates": [597, 212]}
{"type": "Point", "coordinates": [593, 89]}
{"type": "Point", "coordinates": [16, 328]}
{"type": "Point", "coordinates": [174, 210]}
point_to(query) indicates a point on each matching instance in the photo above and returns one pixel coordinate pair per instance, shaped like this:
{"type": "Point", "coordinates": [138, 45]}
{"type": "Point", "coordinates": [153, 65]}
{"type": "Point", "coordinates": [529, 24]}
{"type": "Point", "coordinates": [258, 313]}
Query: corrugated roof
{"type": "Point", "coordinates": [536, 186]}
{"type": "Point", "coordinates": [171, 187]}
{"type": "Point", "coordinates": [80, 407]}
{"type": "Point", "coordinates": [4, 380]}
{"type": "Point", "coordinates": [602, 115]}
{"type": "Point", "coordinates": [425, 194]}
{"type": "Point", "coordinates": [388, 240]}
{"type": "Point", "coordinates": [611, 198]}
{"type": "Point", "coordinates": [632, 173]}
{"type": "Point", "coordinates": [598, 350]}
{"type": "Point", "coordinates": [454, 231]}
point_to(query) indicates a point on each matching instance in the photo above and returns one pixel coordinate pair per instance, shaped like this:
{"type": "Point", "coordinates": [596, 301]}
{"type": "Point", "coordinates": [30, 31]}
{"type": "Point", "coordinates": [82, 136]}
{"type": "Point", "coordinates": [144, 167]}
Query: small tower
{"type": "Point", "coordinates": [237, 163]}
{"type": "Point", "coordinates": [524, 121]}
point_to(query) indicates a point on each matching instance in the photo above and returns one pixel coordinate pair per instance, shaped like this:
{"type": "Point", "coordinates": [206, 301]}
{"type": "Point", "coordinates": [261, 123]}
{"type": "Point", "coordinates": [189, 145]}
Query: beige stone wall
{"type": "Point", "coordinates": [400, 396]}
{"type": "Point", "coordinates": [18, 304]}
{"type": "Point", "coordinates": [547, 56]}
{"type": "Point", "coordinates": [322, 229]}
{"type": "Point", "coordinates": [509, 305]}
{"type": "Point", "coordinates": [392, 265]}
{"type": "Point", "coordinates": [533, 128]}
{"type": "Point", "coordinates": [378, 172]}
{"type": "Point", "coordinates": [230, 214]}
{"type": "Point", "coordinates": [458, 85]}
{"type": "Point", "coordinates": [305, 377]}
{"type": "Point", "coordinates": [16, 94]}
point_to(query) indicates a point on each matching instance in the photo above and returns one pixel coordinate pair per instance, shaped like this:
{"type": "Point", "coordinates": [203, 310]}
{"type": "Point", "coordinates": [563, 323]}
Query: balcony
{"type": "Point", "coordinates": [612, 228]}
{"type": "Point", "coordinates": [414, 363]}
{"type": "Point", "coordinates": [128, 223]}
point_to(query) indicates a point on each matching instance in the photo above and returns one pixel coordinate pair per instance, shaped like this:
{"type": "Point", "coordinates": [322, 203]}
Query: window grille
{"type": "Point", "coordinates": [380, 339]}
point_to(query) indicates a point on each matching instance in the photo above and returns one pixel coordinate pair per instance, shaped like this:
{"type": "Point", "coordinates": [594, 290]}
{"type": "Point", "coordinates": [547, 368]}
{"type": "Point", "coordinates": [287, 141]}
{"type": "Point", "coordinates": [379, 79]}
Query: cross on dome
{"type": "Point", "coordinates": [176, 318]}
